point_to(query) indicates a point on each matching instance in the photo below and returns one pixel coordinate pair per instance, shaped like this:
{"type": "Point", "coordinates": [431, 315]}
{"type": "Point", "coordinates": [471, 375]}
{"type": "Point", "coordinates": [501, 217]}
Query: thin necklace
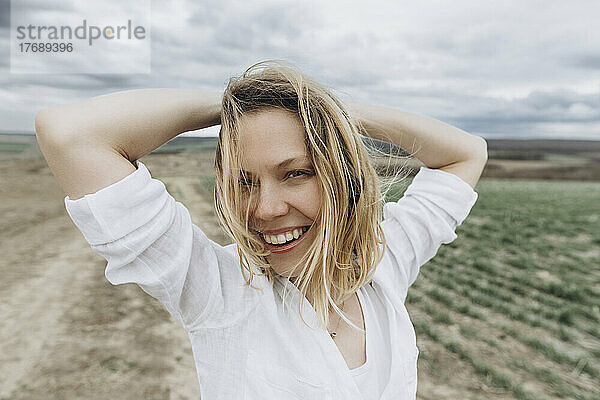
{"type": "Point", "coordinates": [333, 334]}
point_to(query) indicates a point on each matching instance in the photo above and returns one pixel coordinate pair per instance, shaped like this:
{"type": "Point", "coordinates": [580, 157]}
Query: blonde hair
{"type": "Point", "coordinates": [349, 240]}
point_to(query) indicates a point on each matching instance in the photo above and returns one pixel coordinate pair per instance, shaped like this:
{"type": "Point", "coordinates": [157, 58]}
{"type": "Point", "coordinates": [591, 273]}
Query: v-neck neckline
{"type": "Point", "coordinates": [361, 302]}
{"type": "Point", "coordinates": [323, 332]}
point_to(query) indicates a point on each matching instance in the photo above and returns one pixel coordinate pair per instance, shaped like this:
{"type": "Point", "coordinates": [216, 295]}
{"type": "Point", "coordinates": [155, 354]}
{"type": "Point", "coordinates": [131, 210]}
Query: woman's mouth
{"type": "Point", "coordinates": [285, 241]}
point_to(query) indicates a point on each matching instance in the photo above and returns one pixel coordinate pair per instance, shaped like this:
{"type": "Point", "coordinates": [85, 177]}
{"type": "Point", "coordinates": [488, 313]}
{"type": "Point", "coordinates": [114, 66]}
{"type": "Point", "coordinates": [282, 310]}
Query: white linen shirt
{"type": "Point", "coordinates": [372, 377]}
{"type": "Point", "coordinates": [245, 344]}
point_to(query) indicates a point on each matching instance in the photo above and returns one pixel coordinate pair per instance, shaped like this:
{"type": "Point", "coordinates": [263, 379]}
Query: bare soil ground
{"type": "Point", "coordinates": [66, 332]}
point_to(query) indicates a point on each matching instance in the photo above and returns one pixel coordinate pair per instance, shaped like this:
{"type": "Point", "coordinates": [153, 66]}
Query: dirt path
{"type": "Point", "coordinates": [66, 332]}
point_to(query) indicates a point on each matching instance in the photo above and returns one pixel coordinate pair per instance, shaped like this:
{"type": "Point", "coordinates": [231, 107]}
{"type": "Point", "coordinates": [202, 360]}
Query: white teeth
{"type": "Point", "coordinates": [285, 237]}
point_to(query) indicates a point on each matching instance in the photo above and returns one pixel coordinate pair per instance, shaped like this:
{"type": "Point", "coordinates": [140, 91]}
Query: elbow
{"type": "Point", "coordinates": [483, 148]}
{"type": "Point", "coordinates": [474, 150]}
{"type": "Point", "coordinates": [43, 126]}
{"type": "Point", "coordinates": [48, 125]}
{"type": "Point", "coordinates": [482, 155]}
{"type": "Point", "coordinates": [40, 122]}
{"type": "Point", "coordinates": [478, 150]}
{"type": "Point", "coordinates": [478, 153]}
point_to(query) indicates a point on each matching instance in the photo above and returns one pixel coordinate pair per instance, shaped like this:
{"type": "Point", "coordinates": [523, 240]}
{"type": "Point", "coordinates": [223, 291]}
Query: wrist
{"type": "Point", "coordinates": [206, 110]}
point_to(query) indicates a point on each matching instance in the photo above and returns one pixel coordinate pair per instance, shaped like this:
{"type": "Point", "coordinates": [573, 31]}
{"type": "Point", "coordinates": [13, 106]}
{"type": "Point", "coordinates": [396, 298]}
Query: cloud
{"type": "Point", "coordinates": [586, 61]}
{"type": "Point", "coordinates": [81, 83]}
{"type": "Point", "coordinates": [4, 14]}
{"type": "Point", "coordinates": [515, 69]}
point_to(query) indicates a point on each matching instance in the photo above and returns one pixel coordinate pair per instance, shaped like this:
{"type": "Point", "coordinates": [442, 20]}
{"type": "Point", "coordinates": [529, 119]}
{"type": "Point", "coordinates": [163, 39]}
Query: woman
{"type": "Point", "coordinates": [296, 192]}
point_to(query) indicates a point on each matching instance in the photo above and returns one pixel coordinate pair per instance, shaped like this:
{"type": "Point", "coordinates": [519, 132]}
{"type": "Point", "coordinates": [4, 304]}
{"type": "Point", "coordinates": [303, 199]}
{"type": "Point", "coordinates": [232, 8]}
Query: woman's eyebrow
{"type": "Point", "coordinates": [292, 160]}
{"type": "Point", "coordinates": [286, 163]}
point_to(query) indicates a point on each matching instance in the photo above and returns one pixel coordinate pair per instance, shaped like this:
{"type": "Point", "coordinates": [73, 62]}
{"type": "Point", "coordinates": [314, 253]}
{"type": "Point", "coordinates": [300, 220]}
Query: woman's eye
{"type": "Point", "coordinates": [299, 172]}
{"type": "Point", "coordinates": [246, 183]}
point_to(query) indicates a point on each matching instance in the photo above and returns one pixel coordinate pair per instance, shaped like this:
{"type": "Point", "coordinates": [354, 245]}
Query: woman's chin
{"type": "Point", "coordinates": [283, 263]}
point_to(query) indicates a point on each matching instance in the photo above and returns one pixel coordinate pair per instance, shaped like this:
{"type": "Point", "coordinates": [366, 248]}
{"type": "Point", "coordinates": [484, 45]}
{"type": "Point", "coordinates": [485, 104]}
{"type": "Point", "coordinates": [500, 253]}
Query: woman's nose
{"type": "Point", "coordinates": [270, 204]}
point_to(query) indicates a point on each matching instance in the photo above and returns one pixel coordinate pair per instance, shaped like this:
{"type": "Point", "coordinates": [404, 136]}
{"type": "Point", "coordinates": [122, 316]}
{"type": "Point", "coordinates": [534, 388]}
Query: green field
{"type": "Point", "coordinates": [6, 147]}
{"type": "Point", "coordinates": [517, 295]}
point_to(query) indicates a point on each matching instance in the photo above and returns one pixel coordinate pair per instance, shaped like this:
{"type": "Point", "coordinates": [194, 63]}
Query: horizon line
{"type": "Point", "coordinates": [211, 135]}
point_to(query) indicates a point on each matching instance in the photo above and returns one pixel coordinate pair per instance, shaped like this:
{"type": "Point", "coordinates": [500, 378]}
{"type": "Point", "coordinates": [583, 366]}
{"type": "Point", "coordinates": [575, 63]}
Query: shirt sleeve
{"type": "Point", "coordinates": [426, 216]}
{"type": "Point", "coordinates": [149, 239]}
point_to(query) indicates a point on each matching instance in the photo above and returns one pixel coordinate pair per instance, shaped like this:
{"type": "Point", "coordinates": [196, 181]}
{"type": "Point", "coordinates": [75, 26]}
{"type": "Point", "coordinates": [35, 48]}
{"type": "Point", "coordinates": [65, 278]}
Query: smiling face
{"type": "Point", "coordinates": [286, 194]}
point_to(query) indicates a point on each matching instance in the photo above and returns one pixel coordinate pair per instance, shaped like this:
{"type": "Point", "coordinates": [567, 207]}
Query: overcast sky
{"type": "Point", "coordinates": [497, 69]}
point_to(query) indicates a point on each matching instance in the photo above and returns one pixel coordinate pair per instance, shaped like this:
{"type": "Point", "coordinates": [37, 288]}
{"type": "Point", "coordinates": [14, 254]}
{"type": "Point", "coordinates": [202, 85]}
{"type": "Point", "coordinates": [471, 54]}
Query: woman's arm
{"type": "Point", "coordinates": [436, 144]}
{"type": "Point", "coordinates": [92, 144]}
